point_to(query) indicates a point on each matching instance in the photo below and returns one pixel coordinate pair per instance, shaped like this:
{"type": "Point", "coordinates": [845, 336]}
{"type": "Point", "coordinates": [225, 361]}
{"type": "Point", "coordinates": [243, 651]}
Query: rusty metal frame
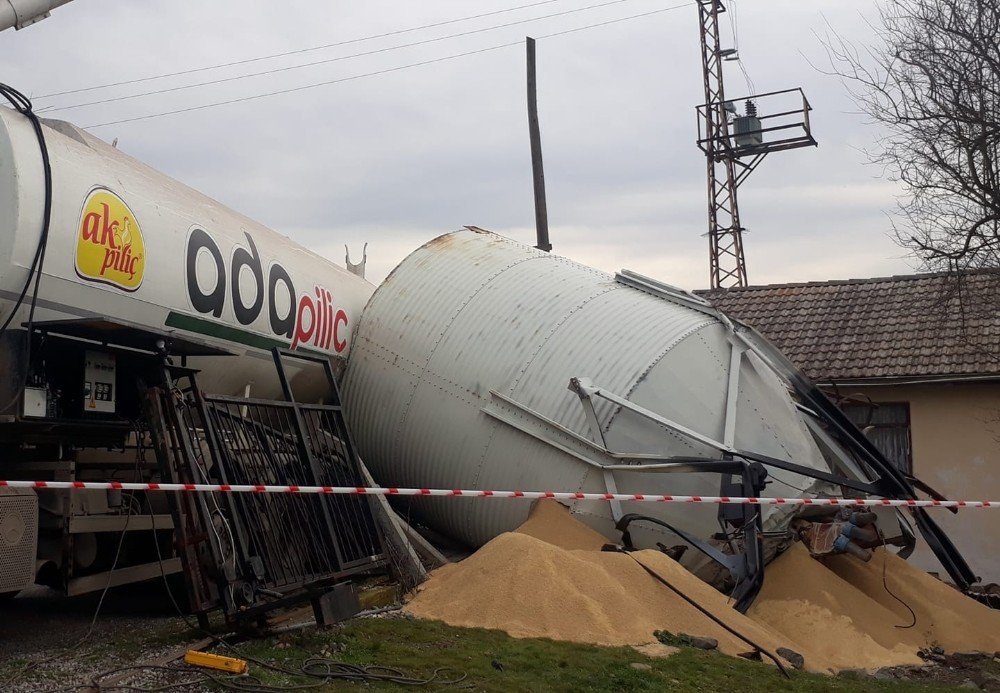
{"type": "Point", "coordinates": [725, 170]}
{"type": "Point", "coordinates": [192, 540]}
{"type": "Point", "coordinates": [727, 265]}
{"type": "Point", "coordinates": [277, 553]}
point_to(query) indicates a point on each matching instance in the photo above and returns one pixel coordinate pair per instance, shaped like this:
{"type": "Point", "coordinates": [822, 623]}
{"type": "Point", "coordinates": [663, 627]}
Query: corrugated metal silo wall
{"type": "Point", "coordinates": [472, 312]}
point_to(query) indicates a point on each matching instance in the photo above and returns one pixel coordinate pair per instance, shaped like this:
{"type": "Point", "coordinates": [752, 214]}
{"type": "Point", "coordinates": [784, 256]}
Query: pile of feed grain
{"type": "Point", "coordinates": [859, 624]}
{"type": "Point", "coordinates": [806, 601]}
{"type": "Point", "coordinates": [944, 616]}
{"type": "Point", "coordinates": [533, 587]}
{"type": "Point", "coordinates": [551, 522]}
{"type": "Point", "coordinates": [550, 579]}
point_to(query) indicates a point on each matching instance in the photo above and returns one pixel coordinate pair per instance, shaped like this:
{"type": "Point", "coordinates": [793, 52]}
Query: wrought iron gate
{"type": "Point", "coordinates": [249, 552]}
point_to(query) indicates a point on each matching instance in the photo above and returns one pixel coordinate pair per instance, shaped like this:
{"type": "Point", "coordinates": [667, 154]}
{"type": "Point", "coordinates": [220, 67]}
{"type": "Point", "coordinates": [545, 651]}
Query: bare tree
{"type": "Point", "coordinates": [933, 84]}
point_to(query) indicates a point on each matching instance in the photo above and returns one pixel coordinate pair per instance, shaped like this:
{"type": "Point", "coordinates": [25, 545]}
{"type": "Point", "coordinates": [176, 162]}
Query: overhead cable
{"type": "Point", "coordinates": [259, 58]}
{"type": "Point", "coordinates": [222, 80]}
{"type": "Point", "coordinates": [734, 22]}
{"type": "Point", "coordinates": [398, 68]}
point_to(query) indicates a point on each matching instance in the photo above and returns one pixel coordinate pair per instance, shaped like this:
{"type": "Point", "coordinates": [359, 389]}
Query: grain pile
{"type": "Point", "coordinates": [806, 601]}
{"type": "Point", "coordinates": [550, 579]}
{"type": "Point", "coordinates": [859, 624]}
{"type": "Point", "coordinates": [530, 587]}
{"type": "Point", "coordinates": [550, 522]}
{"type": "Point", "coordinates": [944, 616]}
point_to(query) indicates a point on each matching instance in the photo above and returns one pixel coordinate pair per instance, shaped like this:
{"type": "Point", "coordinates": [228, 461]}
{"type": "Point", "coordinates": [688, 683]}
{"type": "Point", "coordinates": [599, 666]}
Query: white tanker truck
{"type": "Point", "coordinates": [479, 363]}
{"type": "Point", "coordinates": [134, 264]}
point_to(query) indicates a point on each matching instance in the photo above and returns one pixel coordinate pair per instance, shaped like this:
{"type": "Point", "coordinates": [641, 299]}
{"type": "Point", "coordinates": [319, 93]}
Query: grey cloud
{"type": "Point", "coordinates": [399, 158]}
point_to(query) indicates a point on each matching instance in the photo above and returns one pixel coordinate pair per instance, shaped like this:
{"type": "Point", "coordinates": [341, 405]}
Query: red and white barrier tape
{"type": "Point", "coordinates": [454, 493]}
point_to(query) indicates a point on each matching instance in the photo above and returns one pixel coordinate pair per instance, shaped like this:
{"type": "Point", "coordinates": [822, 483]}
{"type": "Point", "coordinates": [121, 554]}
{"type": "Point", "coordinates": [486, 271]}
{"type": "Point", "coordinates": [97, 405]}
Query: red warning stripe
{"type": "Point", "coordinates": [483, 493]}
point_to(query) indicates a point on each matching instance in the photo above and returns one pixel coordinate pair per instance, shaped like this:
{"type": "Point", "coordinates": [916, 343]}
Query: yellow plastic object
{"type": "Point", "coordinates": [214, 661]}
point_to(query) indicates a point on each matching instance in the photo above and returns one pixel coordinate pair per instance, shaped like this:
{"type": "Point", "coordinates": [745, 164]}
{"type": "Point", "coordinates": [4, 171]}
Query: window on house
{"type": "Point", "coordinates": [887, 426]}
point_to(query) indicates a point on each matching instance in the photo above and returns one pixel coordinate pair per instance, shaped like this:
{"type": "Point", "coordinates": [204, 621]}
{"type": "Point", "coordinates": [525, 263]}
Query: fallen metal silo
{"type": "Point", "coordinates": [483, 363]}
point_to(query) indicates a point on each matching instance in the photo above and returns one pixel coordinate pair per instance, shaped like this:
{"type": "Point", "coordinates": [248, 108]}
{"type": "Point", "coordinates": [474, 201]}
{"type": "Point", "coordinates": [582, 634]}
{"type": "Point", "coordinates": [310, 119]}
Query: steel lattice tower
{"type": "Point", "coordinates": [728, 137]}
{"type": "Point", "coordinates": [725, 235]}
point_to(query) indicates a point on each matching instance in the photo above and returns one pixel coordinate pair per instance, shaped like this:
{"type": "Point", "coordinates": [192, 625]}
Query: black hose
{"type": "Point", "coordinates": [22, 104]}
{"type": "Point", "coordinates": [712, 616]}
{"type": "Point", "coordinates": [885, 584]}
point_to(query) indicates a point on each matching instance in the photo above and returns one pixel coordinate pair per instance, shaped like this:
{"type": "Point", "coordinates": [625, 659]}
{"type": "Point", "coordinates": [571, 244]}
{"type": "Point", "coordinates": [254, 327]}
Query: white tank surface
{"type": "Point", "coordinates": [132, 245]}
{"type": "Point", "coordinates": [460, 372]}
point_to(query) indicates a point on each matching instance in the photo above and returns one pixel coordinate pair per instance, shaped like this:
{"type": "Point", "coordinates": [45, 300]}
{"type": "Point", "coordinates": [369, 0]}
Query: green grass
{"type": "Point", "coordinates": [419, 647]}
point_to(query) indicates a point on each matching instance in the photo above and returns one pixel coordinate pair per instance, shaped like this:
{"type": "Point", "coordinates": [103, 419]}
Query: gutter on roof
{"type": "Point", "coordinates": [891, 279]}
{"type": "Point", "coordinates": [910, 380]}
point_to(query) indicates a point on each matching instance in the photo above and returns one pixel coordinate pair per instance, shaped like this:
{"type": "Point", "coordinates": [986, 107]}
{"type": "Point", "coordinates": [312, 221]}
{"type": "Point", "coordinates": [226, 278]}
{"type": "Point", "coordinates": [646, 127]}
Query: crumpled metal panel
{"type": "Point", "coordinates": [472, 312]}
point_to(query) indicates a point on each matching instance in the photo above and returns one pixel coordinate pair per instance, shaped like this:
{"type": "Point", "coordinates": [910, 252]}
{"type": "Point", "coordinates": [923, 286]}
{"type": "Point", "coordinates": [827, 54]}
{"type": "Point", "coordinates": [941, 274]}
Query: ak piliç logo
{"type": "Point", "coordinates": [109, 245]}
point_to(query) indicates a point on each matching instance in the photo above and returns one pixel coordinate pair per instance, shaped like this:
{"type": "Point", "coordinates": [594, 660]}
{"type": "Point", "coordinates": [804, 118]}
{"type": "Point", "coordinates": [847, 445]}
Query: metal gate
{"type": "Point", "coordinates": [251, 552]}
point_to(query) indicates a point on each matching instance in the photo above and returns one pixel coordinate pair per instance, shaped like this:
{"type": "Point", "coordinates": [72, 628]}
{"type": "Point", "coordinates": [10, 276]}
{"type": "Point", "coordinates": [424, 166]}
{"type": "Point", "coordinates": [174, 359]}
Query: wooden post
{"type": "Point", "coordinates": [541, 213]}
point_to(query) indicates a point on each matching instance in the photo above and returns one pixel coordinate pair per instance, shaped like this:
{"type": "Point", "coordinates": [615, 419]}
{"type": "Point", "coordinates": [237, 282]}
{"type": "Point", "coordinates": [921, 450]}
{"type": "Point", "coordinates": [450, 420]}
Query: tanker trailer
{"type": "Point", "coordinates": [135, 266]}
{"type": "Point", "coordinates": [481, 363]}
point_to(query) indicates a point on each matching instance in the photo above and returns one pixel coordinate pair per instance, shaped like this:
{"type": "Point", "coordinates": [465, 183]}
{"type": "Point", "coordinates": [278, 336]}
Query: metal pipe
{"type": "Point", "coordinates": [538, 174]}
{"type": "Point", "coordinates": [21, 13]}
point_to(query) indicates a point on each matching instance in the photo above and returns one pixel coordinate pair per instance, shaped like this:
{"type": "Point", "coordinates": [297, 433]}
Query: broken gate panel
{"type": "Point", "coordinates": [263, 547]}
{"type": "Point", "coordinates": [165, 410]}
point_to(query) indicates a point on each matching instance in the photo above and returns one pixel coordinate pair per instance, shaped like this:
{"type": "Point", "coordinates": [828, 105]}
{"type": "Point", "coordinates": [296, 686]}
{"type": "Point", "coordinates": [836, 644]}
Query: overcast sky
{"type": "Point", "coordinates": [398, 158]}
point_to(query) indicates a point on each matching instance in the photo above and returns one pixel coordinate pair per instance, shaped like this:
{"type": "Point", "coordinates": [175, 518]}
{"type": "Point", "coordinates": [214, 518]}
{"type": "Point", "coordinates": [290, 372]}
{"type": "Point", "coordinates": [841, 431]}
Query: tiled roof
{"type": "Point", "coordinates": [920, 325]}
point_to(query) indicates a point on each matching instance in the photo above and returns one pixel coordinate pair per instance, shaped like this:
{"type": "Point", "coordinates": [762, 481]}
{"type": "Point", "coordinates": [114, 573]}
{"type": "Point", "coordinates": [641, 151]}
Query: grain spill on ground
{"type": "Point", "coordinates": [530, 587]}
{"type": "Point", "coordinates": [550, 522]}
{"type": "Point", "coordinates": [944, 616]}
{"type": "Point", "coordinates": [806, 601]}
{"type": "Point", "coordinates": [550, 579]}
{"type": "Point", "coordinates": [843, 605]}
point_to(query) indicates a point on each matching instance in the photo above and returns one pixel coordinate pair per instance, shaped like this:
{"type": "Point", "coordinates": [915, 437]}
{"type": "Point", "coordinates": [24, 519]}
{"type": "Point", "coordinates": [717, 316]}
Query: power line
{"type": "Point", "coordinates": [295, 52]}
{"type": "Point", "coordinates": [291, 90]}
{"type": "Point", "coordinates": [304, 87]}
{"type": "Point", "coordinates": [277, 70]}
{"type": "Point", "coordinates": [734, 22]}
{"type": "Point", "coordinates": [746, 77]}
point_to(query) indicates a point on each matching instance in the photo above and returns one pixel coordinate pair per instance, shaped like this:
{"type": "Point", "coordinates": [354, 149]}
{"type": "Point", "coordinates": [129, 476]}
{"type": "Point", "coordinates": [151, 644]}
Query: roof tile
{"type": "Point", "coordinates": [916, 325]}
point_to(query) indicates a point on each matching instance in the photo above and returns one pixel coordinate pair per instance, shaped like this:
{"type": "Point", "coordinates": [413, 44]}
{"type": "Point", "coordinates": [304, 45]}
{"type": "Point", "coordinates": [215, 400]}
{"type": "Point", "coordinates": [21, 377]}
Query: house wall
{"type": "Point", "coordinates": [955, 431]}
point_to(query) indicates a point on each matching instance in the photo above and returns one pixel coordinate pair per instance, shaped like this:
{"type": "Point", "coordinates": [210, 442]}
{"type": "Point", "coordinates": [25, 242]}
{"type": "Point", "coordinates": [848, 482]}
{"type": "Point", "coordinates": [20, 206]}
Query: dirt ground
{"type": "Point", "coordinates": [43, 648]}
{"type": "Point", "coordinates": [46, 640]}
{"type": "Point", "coordinates": [971, 671]}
